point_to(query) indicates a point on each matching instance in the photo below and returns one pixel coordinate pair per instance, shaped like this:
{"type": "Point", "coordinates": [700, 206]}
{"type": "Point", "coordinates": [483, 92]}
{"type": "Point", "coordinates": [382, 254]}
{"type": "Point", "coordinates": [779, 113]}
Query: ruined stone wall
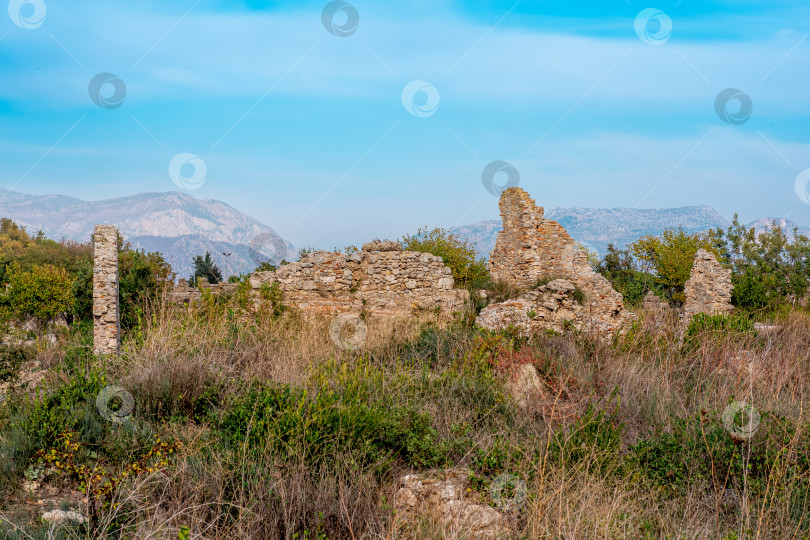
{"type": "Point", "coordinates": [531, 247]}
{"type": "Point", "coordinates": [183, 293]}
{"type": "Point", "coordinates": [708, 289]}
{"type": "Point", "coordinates": [381, 279]}
{"type": "Point", "coordinates": [106, 325]}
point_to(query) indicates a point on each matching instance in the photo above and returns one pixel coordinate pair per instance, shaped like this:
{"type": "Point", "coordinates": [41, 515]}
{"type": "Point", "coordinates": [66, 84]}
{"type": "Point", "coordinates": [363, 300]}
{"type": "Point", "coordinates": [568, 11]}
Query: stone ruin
{"type": "Point", "coordinates": [530, 248]}
{"type": "Point", "coordinates": [708, 289]}
{"type": "Point", "coordinates": [549, 307]}
{"type": "Point", "coordinates": [384, 280]}
{"type": "Point", "coordinates": [381, 279]}
{"type": "Point", "coordinates": [183, 293]}
{"type": "Point", "coordinates": [106, 324]}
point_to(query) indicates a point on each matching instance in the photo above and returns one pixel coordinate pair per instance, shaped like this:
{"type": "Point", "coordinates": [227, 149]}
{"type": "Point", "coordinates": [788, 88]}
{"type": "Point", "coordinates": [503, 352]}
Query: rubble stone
{"type": "Point", "coordinates": [531, 247]}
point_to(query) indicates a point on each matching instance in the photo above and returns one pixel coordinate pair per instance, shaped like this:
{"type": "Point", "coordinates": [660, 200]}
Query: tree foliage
{"type": "Point", "coordinates": [205, 267]}
{"type": "Point", "coordinates": [768, 267]}
{"type": "Point", "coordinates": [671, 256]}
{"type": "Point", "coordinates": [619, 267]}
{"type": "Point", "coordinates": [43, 292]}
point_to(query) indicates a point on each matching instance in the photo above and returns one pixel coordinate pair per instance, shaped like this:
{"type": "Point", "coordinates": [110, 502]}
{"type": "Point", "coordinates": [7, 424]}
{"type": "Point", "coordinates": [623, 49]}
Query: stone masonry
{"type": "Point", "coordinates": [106, 325]}
{"type": "Point", "coordinates": [381, 279]}
{"type": "Point", "coordinates": [708, 289]}
{"type": "Point", "coordinates": [549, 307]}
{"type": "Point", "coordinates": [531, 247]}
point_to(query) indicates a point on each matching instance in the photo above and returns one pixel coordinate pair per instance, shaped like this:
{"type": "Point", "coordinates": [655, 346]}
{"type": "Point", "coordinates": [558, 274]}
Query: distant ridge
{"type": "Point", "coordinates": [598, 227]}
{"type": "Point", "coordinates": [177, 224]}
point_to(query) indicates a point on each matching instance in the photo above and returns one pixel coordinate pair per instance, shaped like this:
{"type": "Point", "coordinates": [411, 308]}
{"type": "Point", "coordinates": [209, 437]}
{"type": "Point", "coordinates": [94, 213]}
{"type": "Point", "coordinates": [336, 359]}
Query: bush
{"type": "Point", "coordinates": [735, 326]}
{"type": "Point", "coordinates": [458, 254]}
{"type": "Point", "coordinates": [11, 358]}
{"type": "Point", "coordinates": [43, 292]}
{"type": "Point", "coordinates": [698, 449]}
{"type": "Point", "coordinates": [672, 255]}
{"type": "Point", "coordinates": [619, 268]}
{"type": "Point", "coordinates": [318, 427]}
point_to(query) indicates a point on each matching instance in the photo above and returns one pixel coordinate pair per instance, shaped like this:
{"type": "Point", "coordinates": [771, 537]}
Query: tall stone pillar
{"type": "Point", "coordinates": [106, 323]}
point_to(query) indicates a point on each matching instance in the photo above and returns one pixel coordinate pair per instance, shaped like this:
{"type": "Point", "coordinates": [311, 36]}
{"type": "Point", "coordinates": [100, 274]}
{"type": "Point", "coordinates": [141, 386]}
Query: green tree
{"type": "Point", "coordinates": [458, 254]}
{"type": "Point", "coordinates": [142, 278]}
{"type": "Point", "coordinates": [767, 268]}
{"type": "Point", "coordinates": [205, 267]}
{"type": "Point", "coordinates": [671, 256]}
{"type": "Point", "coordinates": [42, 292]}
{"type": "Point", "coordinates": [619, 267]}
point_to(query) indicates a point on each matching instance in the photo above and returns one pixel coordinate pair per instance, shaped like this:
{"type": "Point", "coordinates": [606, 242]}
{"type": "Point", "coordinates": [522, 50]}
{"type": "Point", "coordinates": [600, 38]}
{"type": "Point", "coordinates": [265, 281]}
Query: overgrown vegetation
{"type": "Point", "coordinates": [248, 421]}
{"type": "Point", "coordinates": [469, 269]}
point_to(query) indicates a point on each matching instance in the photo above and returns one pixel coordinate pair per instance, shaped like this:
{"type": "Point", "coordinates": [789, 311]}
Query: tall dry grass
{"type": "Point", "coordinates": [647, 377]}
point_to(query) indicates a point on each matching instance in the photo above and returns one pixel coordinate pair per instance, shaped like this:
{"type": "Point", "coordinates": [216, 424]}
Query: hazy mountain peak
{"type": "Point", "coordinates": [177, 224]}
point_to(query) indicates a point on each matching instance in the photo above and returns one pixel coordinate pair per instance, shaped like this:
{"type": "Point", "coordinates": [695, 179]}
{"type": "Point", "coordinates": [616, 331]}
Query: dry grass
{"type": "Point", "coordinates": [647, 377]}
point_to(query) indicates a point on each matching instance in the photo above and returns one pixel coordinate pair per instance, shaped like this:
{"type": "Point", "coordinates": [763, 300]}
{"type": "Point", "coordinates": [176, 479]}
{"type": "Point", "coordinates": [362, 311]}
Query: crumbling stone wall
{"type": "Point", "coordinates": [106, 324]}
{"type": "Point", "coordinates": [183, 293]}
{"type": "Point", "coordinates": [380, 279]}
{"type": "Point", "coordinates": [708, 289]}
{"type": "Point", "coordinates": [549, 307]}
{"type": "Point", "coordinates": [531, 247]}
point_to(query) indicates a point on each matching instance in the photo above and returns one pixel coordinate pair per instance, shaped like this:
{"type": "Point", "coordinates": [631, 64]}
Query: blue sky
{"type": "Point", "coordinates": [308, 132]}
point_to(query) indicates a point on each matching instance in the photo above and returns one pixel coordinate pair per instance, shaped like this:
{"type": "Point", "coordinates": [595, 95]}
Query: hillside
{"type": "Point", "coordinates": [177, 224]}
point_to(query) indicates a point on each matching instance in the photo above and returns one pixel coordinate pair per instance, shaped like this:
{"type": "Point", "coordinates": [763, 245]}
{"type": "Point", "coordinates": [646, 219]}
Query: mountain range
{"type": "Point", "coordinates": [598, 227]}
{"type": "Point", "coordinates": [176, 224]}
{"type": "Point", "coordinates": [181, 226]}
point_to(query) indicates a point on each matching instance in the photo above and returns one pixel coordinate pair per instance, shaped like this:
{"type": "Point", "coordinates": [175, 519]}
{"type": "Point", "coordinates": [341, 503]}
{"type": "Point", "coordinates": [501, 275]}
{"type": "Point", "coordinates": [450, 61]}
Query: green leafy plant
{"type": "Point", "coordinates": [457, 253]}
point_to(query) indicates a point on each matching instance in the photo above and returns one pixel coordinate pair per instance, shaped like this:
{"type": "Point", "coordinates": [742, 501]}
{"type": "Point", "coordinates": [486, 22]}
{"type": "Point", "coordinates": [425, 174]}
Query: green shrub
{"type": "Point", "coordinates": [699, 450]}
{"type": "Point", "coordinates": [318, 427]}
{"type": "Point", "coordinates": [12, 357]}
{"type": "Point", "coordinates": [42, 292]}
{"type": "Point", "coordinates": [37, 422]}
{"type": "Point", "coordinates": [458, 254]}
{"type": "Point", "coordinates": [594, 438]}
{"type": "Point", "coordinates": [735, 327]}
